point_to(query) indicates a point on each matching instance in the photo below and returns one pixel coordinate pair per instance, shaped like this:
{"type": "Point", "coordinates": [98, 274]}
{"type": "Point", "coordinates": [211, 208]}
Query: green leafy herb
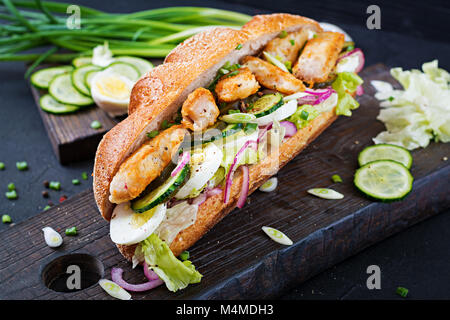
{"type": "Point", "coordinates": [71, 231]}
{"type": "Point", "coordinates": [152, 134]}
{"type": "Point", "coordinates": [165, 124]}
{"type": "Point", "coordinates": [11, 195]}
{"type": "Point", "coordinates": [11, 186]}
{"type": "Point", "coordinates": [184, 255]}
{"type": "Point", "coordinates": [403, 292]}
{"type": "Point", "coordinates": [55, 185]}
{"type": "Point", "coordinates": [84, 175]}
{"type": "Point", "coordinates": [6, 218]}
{"type": "Point", "coordinates": [231, 111]}
{"type": "Point", "coordinates": [391, 98]}
{"type": "Point", "coordinates": [304, 115]}
{"type": "Point", "coordinates": [46, 208]}
{"type": "Point", "coordinates": [250, 128]}
{"type": "Point", "coordinates": [292, 41]}
{"type": "Point", "coordinates": [239, 47]}
{"type": "Point", "coordinates": [22, 165]}
{"type": "Point", "coordinates": [283, 34]}
{"type": "Point", "coordinates": [336, 178]}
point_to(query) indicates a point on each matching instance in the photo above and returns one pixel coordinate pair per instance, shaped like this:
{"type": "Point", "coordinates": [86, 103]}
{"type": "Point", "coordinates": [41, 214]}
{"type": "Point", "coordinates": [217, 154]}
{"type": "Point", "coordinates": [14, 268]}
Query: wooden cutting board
{"type": "Point", "coordinates": [236, 258]}
{"type": "Point", "coordinates": [71, 135]}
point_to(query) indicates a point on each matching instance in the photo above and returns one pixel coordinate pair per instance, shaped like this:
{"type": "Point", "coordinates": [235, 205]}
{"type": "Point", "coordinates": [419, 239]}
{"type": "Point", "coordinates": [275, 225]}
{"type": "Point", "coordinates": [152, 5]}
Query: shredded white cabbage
{"type": "Point", "coordinates": [418, 113]}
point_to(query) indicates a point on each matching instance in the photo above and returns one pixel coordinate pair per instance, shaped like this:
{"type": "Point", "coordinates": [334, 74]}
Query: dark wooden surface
{"type": "Point", "coordinates": [236, 258]}
{"type": "Point", "coordinates": [71, 135]}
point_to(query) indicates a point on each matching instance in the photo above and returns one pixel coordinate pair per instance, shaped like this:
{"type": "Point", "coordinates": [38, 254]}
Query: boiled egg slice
{"type": "Point", "coordinates": [111, 92]}
{"type": "Point", "coordinates": [127, 227]}
{"type": "Point", "coordinates": [205, 161]}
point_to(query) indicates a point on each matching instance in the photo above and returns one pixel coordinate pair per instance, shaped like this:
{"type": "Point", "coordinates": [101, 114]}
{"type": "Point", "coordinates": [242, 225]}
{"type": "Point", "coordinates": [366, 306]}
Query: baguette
{"type": "Point", "coordinates": [159, 94]}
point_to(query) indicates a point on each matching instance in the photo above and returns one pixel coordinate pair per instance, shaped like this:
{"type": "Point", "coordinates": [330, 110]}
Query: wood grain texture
{"type": "Point", "coordinates": [236, 258]}
{"type": "Point", "coordinates": [71, 135]}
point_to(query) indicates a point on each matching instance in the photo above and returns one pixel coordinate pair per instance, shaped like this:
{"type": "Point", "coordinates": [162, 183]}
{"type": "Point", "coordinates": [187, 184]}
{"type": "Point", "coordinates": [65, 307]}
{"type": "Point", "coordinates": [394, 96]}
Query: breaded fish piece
{"type": "Point", "coordinates": [200, 110]}
{"type": "Point", "coordinates": [319, 57]}
{"type": "Point", "coordinates": [288, 48]}
{"type": "Point", "coordinates": [237, 87]}
{"type": "Point", "coordinates": [273, 77]}
{"type": "Point", "coordinates": [145, 164]}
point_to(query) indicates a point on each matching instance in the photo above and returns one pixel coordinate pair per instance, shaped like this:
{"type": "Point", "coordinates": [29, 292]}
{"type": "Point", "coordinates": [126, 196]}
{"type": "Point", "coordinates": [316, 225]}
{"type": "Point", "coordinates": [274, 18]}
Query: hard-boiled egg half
{"type": "Point", "coordinates": [111, 92]}
{"type": "Point", "coordinates": [205, 161]}
{"type": "Point", "coordinates": [127, 227]}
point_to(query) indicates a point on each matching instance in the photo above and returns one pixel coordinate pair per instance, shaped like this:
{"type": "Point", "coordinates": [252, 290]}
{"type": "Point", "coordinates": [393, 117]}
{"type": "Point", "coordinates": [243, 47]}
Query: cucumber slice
{"type": "Point", "coordinates": [385, 152]}
{"type": "Point", "coordinates": [62, 89]}
{"type": "Point", "coordinates": [164, 192]}
{"type": "Point", "coordinates": [78, 76]}
{"type": "Point", "coordinates": [124, 69]}
{"type": "Point", "coordinates": [49, 104]}
{"type": "Point", "coordinates": [385, 180]}
{"type": "Point", "coordinates": [80, 61]}
{"type": "Point", "coordinates": [141, 65]}
{"type": "Point", "coordinates": [266, 104]}
{"type": "Point", "coordinates": [42, 78]}
{"type": "Point", "coordinates": [88, 78]}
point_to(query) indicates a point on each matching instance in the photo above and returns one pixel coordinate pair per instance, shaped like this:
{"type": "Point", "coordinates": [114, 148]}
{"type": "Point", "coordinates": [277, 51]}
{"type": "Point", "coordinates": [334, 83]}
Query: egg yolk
{"type": "Point", "coordinates": [139, 219]}
{"type": "Point", "coordinates": [113, 87]}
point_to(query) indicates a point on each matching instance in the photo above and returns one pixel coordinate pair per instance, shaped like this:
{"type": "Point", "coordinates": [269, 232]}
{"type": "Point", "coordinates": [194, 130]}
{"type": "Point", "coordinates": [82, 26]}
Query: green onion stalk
{"type": "Point", "coordinates": [26, 25]}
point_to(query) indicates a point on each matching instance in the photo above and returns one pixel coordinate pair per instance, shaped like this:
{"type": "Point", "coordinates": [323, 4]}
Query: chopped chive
{"type": "Point", "coordinates": [283, 34]}
{"type": "Point", "coordinates": [184, 255]}
{"type": "Point", "coordinates": [96, 124]}
{"type": "Point", "coordinates": [164, 124]}
{"type": "Point", "coordinates": [304, 115]}
{"type": "Point", "coordinates": [76, 182]}
{"type": "Point", "coordinates": [403, 292]}
{"type": "Point", "coordinates": [22, 165]}
{"type": "Point", "coordinates": [46, 208]}
{"type": "Point", "coordinates": [239, 47]}
{"type": "Point", "coordinates": [71, 231]}
{"type": "Point", "coordinates": [350, 47]}
{"type": "Point", "coordinates": [2, 166]}
{"type": "Point", "coordinates": [6, 218]}
{"type": "Point", "coordinates": [11, 195]}
{"type": "Point", "coordinates": [84, 175]}
{"type": "Point", "coordinates": [152, 134]}
{"type": "Point", "coordinates": [250, 127]}
{"type": "Point", "coordinates": [231, 74]}
{"type": "Point", "coordinates": [55, 185]}
{"type": "Point", "coordinates": [288, 65]}
{"type": "Point", "coordinates": [11, 186]}
{"type": "Point", "coordinates": [292, 41]}
{"type": "Point", "coordinates": [391, 98]}
{"type": "Point", "coordinates": [336, 178]}
{"type": "Point", "coordinates": [231, 111]}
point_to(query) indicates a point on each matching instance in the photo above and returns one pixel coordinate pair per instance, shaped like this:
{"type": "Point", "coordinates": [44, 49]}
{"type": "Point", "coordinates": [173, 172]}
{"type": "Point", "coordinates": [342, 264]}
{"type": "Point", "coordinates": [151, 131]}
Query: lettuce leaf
{"type": "Point", "coordinates": [297, 119]}
{"type": "Point", "coordinates": [418, 113]}
{"type": "Point", "coordinates": [346, 84]}
{"type": "Point", "coordinates": [175, 273]}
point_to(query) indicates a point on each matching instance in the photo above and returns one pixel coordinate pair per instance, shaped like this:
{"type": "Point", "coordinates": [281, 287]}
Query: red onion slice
{"type": "Point", "coordinates": [360, 55]}
{"type": "Point", "coordinates": [291, 129]}
{"type": "Point", "coordinates": [233, 167]}
{"type": "Point", "coordinates": [214, 191]}
{"type": "Point", "coordinates": [263, 131]}
{"type": "Point", "coordinates": [244, 188]}
{"type": "Point", "coordinates": [116, 275]}
{"type": "Point", "coordinates": [150, 274]}
{"type": "Point", "coordinates": [316, 96]}
{"type": "Point", "coordinates": [359, 90]}
{"type": "Point", "coordinates": [185, 157]}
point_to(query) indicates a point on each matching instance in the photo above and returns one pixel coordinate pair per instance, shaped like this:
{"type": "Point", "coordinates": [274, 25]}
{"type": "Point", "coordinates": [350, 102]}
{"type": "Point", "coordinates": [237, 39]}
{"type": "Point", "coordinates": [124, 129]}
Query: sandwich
{"type": "Point", "coordinates": [224, 112]}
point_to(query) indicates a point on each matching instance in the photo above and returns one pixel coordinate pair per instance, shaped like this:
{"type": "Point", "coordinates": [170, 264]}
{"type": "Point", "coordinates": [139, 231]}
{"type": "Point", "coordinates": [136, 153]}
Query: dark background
{"type": "Point", "coordinates": [411, 33]}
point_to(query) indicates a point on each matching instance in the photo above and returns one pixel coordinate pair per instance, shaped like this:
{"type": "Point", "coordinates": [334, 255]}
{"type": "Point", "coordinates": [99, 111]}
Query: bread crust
{"type": "Point", "coordinates": [160, 93]}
